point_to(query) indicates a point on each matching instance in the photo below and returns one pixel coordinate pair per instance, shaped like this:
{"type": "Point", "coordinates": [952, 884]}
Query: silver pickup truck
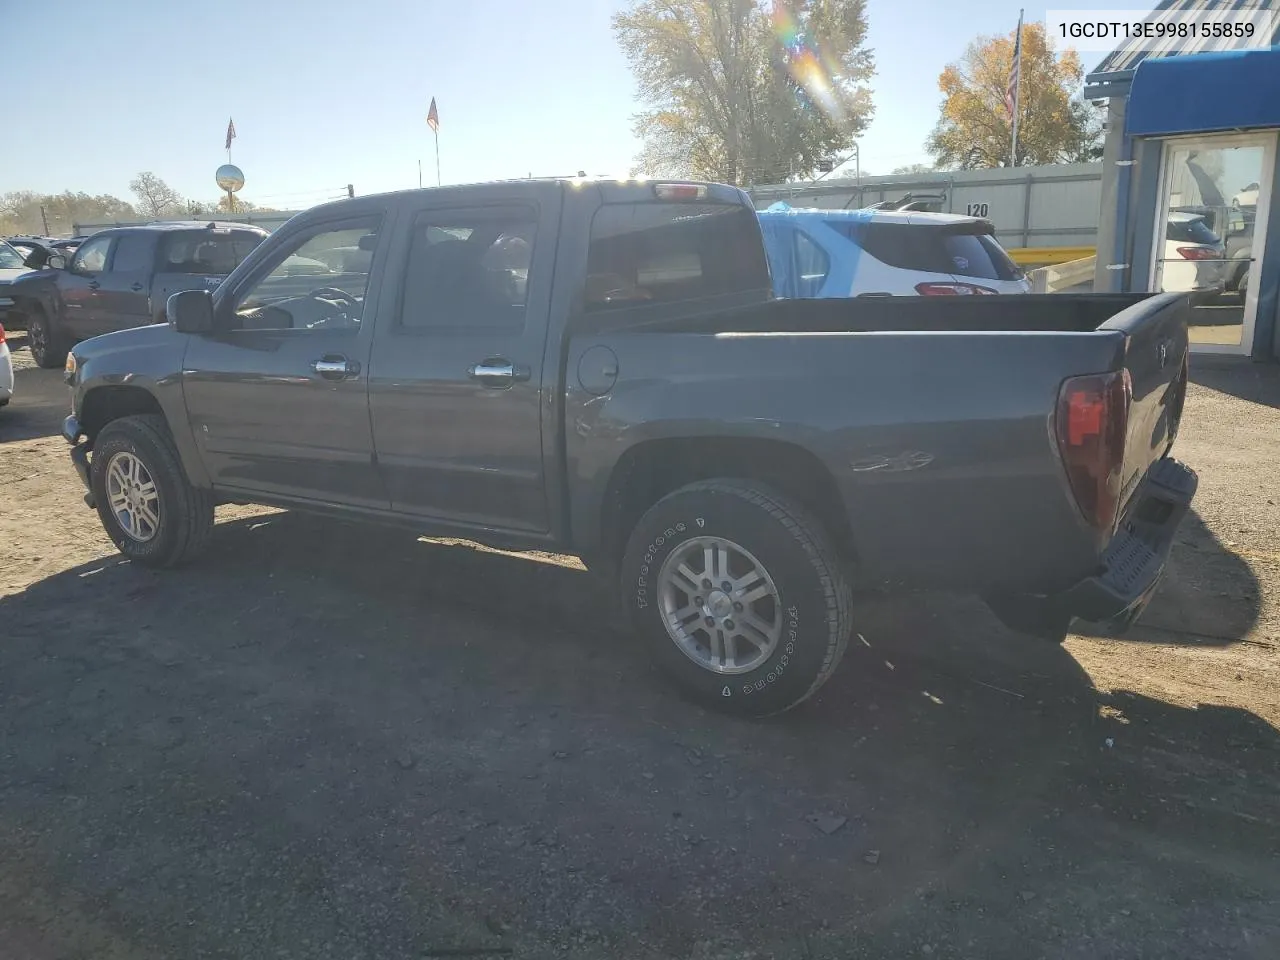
{"type": "Point", "coordinates": [600, 369]}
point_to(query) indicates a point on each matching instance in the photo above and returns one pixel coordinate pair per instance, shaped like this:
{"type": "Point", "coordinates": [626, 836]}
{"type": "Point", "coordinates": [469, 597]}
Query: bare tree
{"type": "Point", "coordinates": [155, 197]}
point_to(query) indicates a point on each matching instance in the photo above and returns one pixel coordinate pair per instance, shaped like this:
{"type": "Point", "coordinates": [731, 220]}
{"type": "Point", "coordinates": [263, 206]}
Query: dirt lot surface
{"type": "Point", "coordinates": [323, 743]}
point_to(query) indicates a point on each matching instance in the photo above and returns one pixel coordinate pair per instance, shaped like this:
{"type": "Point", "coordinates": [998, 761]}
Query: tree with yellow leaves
{"type": "Point", "coordinates": [1055, 125]}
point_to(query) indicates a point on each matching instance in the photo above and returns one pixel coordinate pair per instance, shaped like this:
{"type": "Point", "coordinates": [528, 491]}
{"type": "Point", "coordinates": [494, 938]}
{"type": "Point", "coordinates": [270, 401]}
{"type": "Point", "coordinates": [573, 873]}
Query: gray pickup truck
{"type": "Point", "coordinates": [120, 278]}
{"type": "Point", "coordinates": [599, 369]}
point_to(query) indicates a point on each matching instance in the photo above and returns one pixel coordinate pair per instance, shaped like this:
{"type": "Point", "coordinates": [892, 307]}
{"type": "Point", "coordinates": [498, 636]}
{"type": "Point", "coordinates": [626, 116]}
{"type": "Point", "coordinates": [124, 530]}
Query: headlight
{"type": "Point", "coordinates": [69, 369]}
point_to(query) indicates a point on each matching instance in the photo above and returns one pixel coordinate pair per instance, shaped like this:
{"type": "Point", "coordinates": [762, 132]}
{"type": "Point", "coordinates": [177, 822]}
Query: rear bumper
{"type": "Point", "coordinates": [1134, 561]}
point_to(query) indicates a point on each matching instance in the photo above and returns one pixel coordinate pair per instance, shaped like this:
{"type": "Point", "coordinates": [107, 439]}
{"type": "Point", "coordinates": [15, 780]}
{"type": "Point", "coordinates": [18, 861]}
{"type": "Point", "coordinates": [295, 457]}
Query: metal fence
{"type": "Point", "coordinates": [1031, 207]}
{"type": "Point", "coordinates": [1041, 214]}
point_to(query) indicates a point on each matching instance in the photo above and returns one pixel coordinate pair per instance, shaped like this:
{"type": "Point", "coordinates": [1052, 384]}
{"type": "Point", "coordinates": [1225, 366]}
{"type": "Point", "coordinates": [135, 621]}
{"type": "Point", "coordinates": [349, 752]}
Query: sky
{"type": "Point", "coordinates": [330, 92]}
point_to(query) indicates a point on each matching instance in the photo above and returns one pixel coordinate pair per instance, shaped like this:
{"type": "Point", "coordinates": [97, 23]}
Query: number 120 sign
{"type": "Point", "coordinates": [976, 209]}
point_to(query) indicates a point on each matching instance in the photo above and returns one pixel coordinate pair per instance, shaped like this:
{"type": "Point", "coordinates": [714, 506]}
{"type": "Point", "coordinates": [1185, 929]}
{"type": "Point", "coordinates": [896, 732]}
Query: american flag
{"type": "Point", "coordinates": [231, 133]}
{"type": "Point", "coordinates": [433, 117]}
{"type": "Point", "coordinates": [1011, 91]}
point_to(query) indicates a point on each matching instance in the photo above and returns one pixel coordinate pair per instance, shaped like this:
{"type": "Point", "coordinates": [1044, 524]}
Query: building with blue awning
{"type": "Point", "coordinates": [1190, 173]}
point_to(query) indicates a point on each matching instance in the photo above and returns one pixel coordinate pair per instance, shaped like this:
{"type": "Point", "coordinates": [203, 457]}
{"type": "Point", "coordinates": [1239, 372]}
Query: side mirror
{"type": "Point", "coordinates": [190, 311]}
{"type": "Point", "coordinates": [368, 242]}
{"type": "Point", "coordinates": [57, 262]}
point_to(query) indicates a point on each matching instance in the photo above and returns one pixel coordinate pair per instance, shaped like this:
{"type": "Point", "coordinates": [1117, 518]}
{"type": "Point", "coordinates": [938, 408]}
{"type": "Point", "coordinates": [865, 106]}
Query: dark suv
{"type": "Point", "coordinates": [121, 278]}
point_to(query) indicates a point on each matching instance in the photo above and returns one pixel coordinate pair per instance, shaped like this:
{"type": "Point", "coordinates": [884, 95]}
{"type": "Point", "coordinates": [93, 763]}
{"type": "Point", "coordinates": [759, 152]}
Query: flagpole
{"type": "Point", "coordinates": [419, 173]}
{"type": "Point", "coordinates": [437, 136]}
{"type": "Point", "coordinates": [1017, 93]}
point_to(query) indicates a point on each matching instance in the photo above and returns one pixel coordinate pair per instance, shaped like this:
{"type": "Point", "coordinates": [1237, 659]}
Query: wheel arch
{"type": "Point", "coordinates": [108, 402]}
{"type": "Point", "coordinates": [651, 469]}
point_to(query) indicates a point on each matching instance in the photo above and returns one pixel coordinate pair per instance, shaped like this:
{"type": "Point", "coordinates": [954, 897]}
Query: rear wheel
{"type": "Point", "coordinates": [739, 596]}
{"type": "Point", "coordinates": [48, 346]}
{"type": "Point", "coordinates": [146, 504]}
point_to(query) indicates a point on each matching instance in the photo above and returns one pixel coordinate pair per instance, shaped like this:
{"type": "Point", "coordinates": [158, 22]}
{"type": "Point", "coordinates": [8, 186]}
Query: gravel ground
{"type": "Point", "coordinates": [321, 742]}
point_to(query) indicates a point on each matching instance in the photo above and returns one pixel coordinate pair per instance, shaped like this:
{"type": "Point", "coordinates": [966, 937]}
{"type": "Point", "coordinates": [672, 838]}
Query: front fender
{"type": "Point", "coordinates": [147, 359]}
{"type": "Point", "coordinates": [35, 289]}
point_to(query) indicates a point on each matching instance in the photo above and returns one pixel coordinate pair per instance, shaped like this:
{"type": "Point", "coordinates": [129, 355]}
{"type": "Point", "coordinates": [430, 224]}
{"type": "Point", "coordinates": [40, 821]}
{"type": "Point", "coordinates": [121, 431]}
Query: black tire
{"type": "Point", "coordinates": [48, 346]}
{"type": "Point", "coordinates": [185, 513]}
{"type": "Point", "coordinates": [814, 600]}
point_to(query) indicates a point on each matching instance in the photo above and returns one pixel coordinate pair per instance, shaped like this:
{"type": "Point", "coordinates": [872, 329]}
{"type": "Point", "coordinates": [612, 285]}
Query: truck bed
{"type": "Point", "coordinates": [936, 418]}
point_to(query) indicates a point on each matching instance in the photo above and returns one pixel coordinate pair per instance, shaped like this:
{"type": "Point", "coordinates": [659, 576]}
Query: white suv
{"type": "Point", "coordinates": [868, 253]}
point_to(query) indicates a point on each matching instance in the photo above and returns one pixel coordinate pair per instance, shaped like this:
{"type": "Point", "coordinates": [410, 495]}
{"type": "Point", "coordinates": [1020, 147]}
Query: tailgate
{"type": "Point", "coordinates": [1155, 358]}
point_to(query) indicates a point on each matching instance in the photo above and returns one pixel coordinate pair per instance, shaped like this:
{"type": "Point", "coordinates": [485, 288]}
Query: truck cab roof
{"type": "Point", "coordinates": [172, 225]}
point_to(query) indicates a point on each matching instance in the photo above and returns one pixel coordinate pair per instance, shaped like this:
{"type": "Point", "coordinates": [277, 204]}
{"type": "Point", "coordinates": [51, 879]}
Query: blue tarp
{"type": "Point", "coordinates": [1205, 92]}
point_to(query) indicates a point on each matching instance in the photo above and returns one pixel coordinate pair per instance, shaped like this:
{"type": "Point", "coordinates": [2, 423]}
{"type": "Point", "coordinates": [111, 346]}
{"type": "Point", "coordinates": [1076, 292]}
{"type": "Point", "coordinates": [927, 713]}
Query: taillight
{"type": "Point", "coordinates": [1197, 253]}
{"type": "Point", "coordinates": [1, 333]}
{"type": "Point", "coordinates": [1092, 420]}
{"type": "Point", "coordinates": [950, 289]}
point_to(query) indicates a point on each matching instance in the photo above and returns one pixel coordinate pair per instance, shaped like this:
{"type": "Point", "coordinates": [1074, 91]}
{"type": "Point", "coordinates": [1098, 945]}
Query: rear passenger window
{"type": "Point", "coordinates": [667, 252]}
{"type": "Point", "coordinates": [1190, 231]}
{"type": "Point", "coordinates": [133, 253]}
{"type": "Point", "coordinates": [812, 265]}
{"type": "Point", "coordinates": [469, 269]}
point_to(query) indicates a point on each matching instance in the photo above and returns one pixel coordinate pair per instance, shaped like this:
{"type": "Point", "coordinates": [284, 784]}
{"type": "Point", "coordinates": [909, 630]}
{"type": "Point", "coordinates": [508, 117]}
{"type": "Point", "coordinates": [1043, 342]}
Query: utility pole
{"type": "Point", "coordinates": [45, 217]}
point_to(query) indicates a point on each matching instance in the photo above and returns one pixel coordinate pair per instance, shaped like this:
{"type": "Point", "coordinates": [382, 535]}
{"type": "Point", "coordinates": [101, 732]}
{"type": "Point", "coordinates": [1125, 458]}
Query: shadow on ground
{"type": "Point", "coordinates": [1209, 596]}
{"type": "Point", "coordinates": [1255, 382]}
{"type": "Point", "coordinates": [318, 743]}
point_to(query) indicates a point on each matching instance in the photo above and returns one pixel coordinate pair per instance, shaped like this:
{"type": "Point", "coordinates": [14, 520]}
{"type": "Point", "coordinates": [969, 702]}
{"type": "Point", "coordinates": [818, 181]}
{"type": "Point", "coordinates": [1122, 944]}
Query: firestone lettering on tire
{"type": "Point", "coordinates": [793, 627]}
{"type": "Point", "coordinates": [642, 581]}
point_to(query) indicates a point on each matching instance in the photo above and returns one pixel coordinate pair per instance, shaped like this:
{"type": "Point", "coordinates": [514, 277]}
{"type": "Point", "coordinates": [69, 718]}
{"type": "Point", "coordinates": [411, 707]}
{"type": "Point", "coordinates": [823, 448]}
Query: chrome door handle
{"type": "Point", "coordinates": [497, 372]}
{"type": "Point", "coordinates": [335, 368]}
{"type": "Point", "coordinates": [135, 287]}
{"type": "Point", "coordinates": [94, 284]}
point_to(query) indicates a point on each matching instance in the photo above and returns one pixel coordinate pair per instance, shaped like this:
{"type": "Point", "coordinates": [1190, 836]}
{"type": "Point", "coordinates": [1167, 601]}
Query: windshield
{"type": "Point", "coordinates": [9, 257]}
{"type": "Point", "coordinates": [1194, 230]}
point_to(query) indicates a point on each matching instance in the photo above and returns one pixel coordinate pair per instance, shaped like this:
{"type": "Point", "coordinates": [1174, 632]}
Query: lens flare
{"type": "Point", "coordinates": [815, 74]}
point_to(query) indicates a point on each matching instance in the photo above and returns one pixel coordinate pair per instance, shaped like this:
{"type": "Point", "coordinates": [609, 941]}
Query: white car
{"type": "Point", "coordinates": [885, 253]}
{"type": "Point", "coordinates": [1194, 256]}
{"type": "Point", "coordinates": [6, 371]}
{"type": "Point", "coordinates": [11, 268]}
{"type": "Point", "coordinates": [1248, 197]}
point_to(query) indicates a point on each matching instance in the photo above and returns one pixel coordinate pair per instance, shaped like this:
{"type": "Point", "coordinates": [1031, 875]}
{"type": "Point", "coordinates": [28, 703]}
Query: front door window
{"type": "Point", "coordinates": [91, 258]}
{"type": "Point", "coordinates": [317, 284]}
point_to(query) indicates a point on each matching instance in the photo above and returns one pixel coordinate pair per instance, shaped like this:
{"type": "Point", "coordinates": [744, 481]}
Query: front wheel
{"type": "Point", "coordinates": [739, 596]}
{"type": "Point", "coordinates": [146, 504]}
{"type": "Point", "coordinates": [48, 346]}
